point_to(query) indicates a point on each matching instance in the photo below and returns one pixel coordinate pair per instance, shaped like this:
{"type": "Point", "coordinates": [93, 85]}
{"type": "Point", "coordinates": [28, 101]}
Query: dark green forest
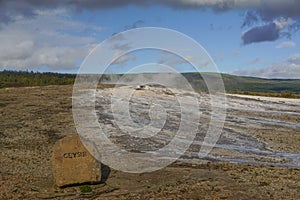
{"type": "Point", "coordinates": [25, 78]}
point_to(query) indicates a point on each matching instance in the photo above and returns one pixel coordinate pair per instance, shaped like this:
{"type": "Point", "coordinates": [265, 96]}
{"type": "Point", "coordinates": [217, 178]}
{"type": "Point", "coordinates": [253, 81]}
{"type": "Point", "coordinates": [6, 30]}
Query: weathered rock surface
{"type": "Point", "coordinates": [73, 164]}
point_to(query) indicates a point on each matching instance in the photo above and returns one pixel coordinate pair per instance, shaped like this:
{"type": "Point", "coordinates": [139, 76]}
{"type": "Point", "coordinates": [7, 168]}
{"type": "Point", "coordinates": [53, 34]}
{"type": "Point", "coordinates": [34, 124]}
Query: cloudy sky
{"type": "Point", "coordinates": [244, 37]}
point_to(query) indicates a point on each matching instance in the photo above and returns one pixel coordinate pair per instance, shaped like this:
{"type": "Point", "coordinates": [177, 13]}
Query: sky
{"type": "Point", "coordinates": [258, 38]}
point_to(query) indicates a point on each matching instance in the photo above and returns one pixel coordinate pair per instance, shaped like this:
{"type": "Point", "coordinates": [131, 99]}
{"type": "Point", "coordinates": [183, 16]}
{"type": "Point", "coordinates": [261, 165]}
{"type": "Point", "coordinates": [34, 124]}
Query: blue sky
{"type": "Point", "coordinates": [251, 38]}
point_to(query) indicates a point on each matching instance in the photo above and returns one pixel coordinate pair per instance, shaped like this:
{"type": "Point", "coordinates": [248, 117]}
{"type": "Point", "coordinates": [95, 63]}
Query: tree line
{"type": "Point", "coordinates": [9, 78]}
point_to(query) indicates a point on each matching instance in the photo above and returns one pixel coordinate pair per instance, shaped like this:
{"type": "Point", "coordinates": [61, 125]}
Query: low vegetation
{"type": "Point", "coordinates": [85, 189]}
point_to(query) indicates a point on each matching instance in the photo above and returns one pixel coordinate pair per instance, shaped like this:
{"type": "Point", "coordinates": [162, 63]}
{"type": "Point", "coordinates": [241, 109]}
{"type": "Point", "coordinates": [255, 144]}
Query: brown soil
{"type": "Point", "coordinates": [33, 119]}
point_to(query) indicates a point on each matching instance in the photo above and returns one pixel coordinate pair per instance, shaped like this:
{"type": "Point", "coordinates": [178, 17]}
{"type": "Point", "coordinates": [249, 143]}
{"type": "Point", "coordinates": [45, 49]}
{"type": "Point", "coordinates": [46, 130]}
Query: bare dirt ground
{"type": "Point", "coordinates": [33, 119]}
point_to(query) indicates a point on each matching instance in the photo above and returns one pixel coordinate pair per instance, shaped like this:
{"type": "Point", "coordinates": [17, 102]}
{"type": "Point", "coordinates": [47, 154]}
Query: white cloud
{"type": "Point", "coordinates": [288, 69]}
{"type": "Point", "coordinates": [270, 7]}
{"type": "Point", "coordinates": [295, 59]}
{"type": "Point", "coordinates": [173, 60]}
{"type": "Point", "coordinates": [282, 23]}
{"type": "Point", "coordinates": [44, 40]}
{"type": "Point", "coordinates": [122, 60]}
{"type": "Point", "coordinates": [286, 45]}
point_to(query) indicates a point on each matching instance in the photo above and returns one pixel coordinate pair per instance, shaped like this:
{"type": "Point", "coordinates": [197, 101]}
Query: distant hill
{"type": "Point", "coordinates": [237, 83]}
{"type": "Point", "coordinates": [232, 83]}
{"type": "Point", "coordinates": [251, 84]}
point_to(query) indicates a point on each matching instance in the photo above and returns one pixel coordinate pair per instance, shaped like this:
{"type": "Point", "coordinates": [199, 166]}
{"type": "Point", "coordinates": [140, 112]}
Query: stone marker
{"type": "Point", "coordinates": [72, 163]}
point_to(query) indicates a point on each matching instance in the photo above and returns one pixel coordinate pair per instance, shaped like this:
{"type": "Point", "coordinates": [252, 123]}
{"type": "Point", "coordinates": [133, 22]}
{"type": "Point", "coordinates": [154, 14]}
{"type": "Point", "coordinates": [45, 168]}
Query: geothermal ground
{"type": "Point", "coordinates": [256, 157]}
{"type": "Point", "coordinates": [257, 130]}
